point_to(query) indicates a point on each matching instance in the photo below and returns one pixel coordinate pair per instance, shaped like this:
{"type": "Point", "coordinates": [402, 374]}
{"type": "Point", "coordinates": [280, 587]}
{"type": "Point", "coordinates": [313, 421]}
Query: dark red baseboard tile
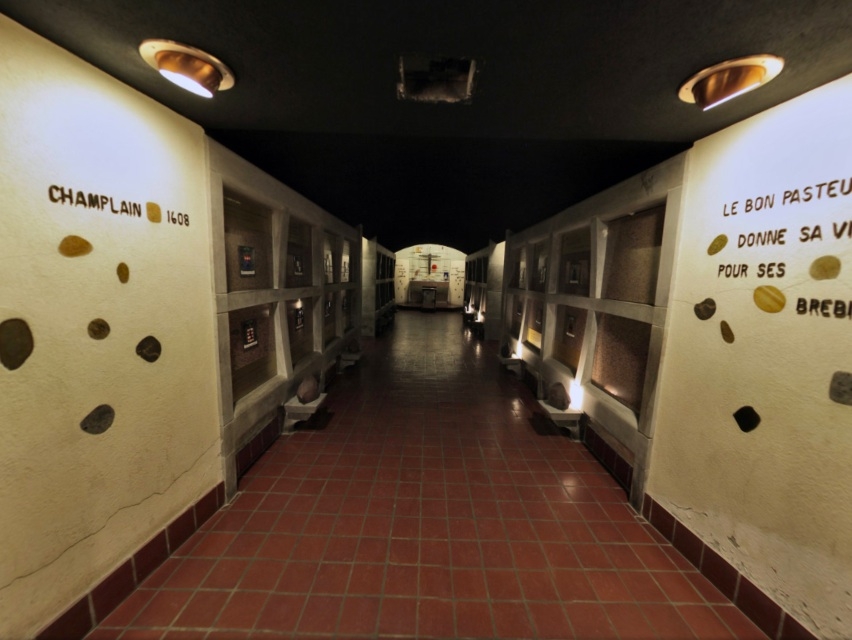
{"type": "Point", "coordinates": [753, 602]}
{"type": "Point", "coordinates": [96, 605]}
{"type": "Point", "coordinates": [250, 453]}
{"type": "Point", "coordinates": [618, 467]}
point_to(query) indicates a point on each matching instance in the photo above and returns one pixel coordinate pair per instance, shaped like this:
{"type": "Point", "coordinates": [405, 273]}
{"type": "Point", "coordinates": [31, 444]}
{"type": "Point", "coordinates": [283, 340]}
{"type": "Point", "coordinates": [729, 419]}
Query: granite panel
{"type": "Point", "coordinates": [621, 356]}
{"type": "Point", "coordinates": [248, 246]}
{"type": "Point", "coordinates": [633, 256]}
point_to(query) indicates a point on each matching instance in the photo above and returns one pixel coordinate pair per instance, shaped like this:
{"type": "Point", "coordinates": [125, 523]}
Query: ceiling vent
{"type": "Point", "coordinates": [435, 79]}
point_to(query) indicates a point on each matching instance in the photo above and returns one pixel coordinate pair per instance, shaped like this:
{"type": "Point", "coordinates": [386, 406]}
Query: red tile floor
{"type": "Point", "coordinates": [427, 504]}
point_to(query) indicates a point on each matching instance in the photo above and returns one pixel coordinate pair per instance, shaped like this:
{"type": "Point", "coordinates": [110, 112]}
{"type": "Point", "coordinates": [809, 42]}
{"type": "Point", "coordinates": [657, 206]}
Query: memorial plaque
{"type": "Point", "coordinates": [249, 332]}
{"type": "Point", "coordinates": [246, 261]}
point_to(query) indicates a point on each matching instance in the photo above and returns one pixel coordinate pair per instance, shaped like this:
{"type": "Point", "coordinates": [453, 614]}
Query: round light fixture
{"type": "Point", "coordinates": [190, 68]}
{"type": "Point", "coordinates": [727, 80]}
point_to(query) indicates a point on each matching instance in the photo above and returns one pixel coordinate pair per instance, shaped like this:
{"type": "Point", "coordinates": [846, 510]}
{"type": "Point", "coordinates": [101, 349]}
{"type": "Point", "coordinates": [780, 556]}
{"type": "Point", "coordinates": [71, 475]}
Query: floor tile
{"type": "Point", "coordinates": [428, 505]}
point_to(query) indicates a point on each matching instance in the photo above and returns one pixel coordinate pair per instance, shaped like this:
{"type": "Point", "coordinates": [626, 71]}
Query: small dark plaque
{"type": "Point", "coordinates": [299, 316]}
{"type": "Point", "coordinates": [249, 333]}
{"type": "Point", "coordinates": [297, 266]}
{"type": "Point", "coordinates": [573, 273]}
{"type": "Point", "coordinates": [570, 321]}
{"type": "Point", "coordinates": [246, 261]}
{"type": "Point", "coordinates": [328, 304]}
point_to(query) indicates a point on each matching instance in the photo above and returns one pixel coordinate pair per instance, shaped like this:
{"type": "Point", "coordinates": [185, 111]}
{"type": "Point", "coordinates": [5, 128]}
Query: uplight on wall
{"type": "Point", "coordinates": [190, 68]}
{"type": "Point", "coordinates": [714, 85]}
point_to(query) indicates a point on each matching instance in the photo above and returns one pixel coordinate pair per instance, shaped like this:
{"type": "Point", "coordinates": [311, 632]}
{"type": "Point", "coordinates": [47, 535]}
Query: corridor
{"type": "Point", "coordinates": [428, 502]}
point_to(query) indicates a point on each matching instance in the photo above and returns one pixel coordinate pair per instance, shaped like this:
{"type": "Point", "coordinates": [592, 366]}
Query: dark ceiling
{"type": "Point", "coordinates": [571, 97]}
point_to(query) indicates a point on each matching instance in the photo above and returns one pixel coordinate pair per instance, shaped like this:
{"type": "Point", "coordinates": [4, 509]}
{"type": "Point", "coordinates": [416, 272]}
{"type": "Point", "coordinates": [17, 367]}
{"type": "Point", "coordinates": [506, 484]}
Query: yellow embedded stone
{"type": "Point", "coordinates": [155, 214]}
{"type": "Point", "coordinates": [825, 268]}
{"type": "Point", "coordinates": [719, 243]}
{"type": "Point", "coordinates": [769, 299]}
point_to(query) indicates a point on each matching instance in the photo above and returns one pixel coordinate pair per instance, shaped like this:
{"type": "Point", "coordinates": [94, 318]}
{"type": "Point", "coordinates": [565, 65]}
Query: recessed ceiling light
{"type": "Point", "coordinates": [436, 79]}
{"type": "Point", "coordinates": [727, 80]}
{"type": "Point", "coordinates": [190, 68]}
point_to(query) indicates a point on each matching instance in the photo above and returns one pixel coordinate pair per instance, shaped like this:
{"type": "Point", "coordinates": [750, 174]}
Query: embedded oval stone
{"type": "Point", "coordinates": [747, 418]}
{"type": "Point", "coordinates": [16, 343]}
{"type": "Point", "coordinates": [123, 272]}
{"type": "Point", "coordinates": [154, 212]}
{"type": "Point", "coordinates": [74, 246]}
{"type": "Point", "coordinates": [825, 268]}
{"type": "Point", "coordinates": [719, 243]}
{"type": "Point", "coordinates": [99, 420]}
{"type": "Point", "coordinates": [727, 332]}
{"type": "Point", "coordinates": [308, 390]}
{"type": "Point", "coordinates": [149, 349]}
{"type": "Point", "coordinates": [98, 329]}
{"type": "Point", "coordinates": [769, 299]}
{"type": "Point", "coordinates": [840, 389]}
{"type": "Point", "coordinates": [705, 309]}
{"type": "Point", "coordinates": [557, 397]}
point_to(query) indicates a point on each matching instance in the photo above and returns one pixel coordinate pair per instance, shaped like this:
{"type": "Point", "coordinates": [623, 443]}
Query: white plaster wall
{"type": "Point", "coordinates": [76, 505]}
{"type": "Point", "coordinates": [412, 265]}
{"type": "Point", "coordinates": [776, 502]}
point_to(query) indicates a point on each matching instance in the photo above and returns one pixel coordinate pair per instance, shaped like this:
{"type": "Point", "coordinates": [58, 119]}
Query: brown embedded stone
{"type": "Point", "coordinates": [123, 272]}
{"type": "Point", "coordinates": [16, 343]}
{"type": "Point", "coordinates": [747, 419]}
{"type": "Point", "coordinates": [719, 243]}
{"type": "Point", "coordinates": [149, 349]}
{"type": "Point", "coordinates": [840, 389]}
{"type": "Point", "coordinates": [557, 397]}
{"type": "Point", "coordinates": [155, 214]}
{"type": "Point", "coordinates": [98, 329]}
{"type": "Point", "coordinates": [99, 420]}
{"type": "Point", "coordinates": [705, 309]}
{"type": "Point", "coordinates": [74, 246]}
{"type": "Point", "coordinates": [825, 268]}
{"type": "Point", "coordinates": [727, 332]}
{"type": "Point", "coordinates": [308, 390]}
{"type": "Point", "coordinates": [769, 299]}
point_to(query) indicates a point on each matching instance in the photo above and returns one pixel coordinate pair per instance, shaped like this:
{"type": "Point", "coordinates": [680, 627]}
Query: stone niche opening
{"type": "Point", "coordinates": [252, 345]}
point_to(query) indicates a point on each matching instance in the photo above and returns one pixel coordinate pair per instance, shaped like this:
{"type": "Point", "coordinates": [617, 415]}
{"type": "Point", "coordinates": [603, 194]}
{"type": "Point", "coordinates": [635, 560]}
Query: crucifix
{"type": "Point", "coordinates": [428, 258]}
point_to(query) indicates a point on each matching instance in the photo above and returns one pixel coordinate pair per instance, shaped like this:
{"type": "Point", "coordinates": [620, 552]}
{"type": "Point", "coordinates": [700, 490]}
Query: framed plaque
{"type": "Point", "coordinates": [570, 322]}
{"type": "Point", "coordinates": [299, 317]}
{"type": "Point", "coordinates": [298, 267]}
{"type": "Point", "coordinates": [246, 255]}
{"type": "Point", "coordinates": [249, 333]}
{"type": "Point", "coordinates": [328, 304]}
